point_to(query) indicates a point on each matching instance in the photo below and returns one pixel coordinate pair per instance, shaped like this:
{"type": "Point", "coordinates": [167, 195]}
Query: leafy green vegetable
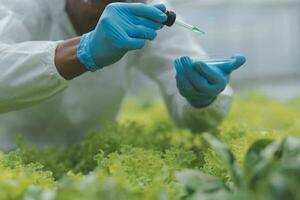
{"type": "Point", "coordinates": [272, 168]}
{"type": "Point", "coordinates": [230, 161]}
{"type": "Point", "coordinates": [145, 156]}
{"type": "Point", "coordinates": [202, 186]}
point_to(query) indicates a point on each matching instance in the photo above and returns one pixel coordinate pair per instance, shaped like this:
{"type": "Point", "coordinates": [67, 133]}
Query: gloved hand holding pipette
{"type": "Point", "coordinates": [200, 82]}
{"type": "Point", "coordinates": [123, 27]}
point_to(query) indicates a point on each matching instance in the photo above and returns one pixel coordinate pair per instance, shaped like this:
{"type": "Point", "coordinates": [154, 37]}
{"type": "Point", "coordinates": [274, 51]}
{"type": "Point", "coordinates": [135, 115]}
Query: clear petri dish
{"type": "Point", "coordinates": [216, 61]}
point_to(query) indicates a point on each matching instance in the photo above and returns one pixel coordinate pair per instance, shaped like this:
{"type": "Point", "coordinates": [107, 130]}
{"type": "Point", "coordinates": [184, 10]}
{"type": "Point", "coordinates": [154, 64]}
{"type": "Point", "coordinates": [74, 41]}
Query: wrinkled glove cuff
{"type": "Point", "coordinates": [84, 53]}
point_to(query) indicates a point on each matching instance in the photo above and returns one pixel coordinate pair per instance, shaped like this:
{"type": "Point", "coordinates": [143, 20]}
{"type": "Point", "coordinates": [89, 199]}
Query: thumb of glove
{"type": "Point", "coordinates": [236, 62]}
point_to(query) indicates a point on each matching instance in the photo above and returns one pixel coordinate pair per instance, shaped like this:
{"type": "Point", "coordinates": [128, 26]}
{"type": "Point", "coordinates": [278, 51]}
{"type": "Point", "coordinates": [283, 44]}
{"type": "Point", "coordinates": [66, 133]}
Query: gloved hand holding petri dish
{"type": "Point", "coordinates": [200, 82]}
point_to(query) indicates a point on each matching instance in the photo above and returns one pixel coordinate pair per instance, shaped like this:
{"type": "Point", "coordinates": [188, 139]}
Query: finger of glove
{"type": "Point", "coordinates": [142, 32]}
{"type": "Point", "coordinates": [149, 12]}
{"type": "Point", "coordinates": [129, 44]}
{"type": "Point", "coordinates": [197, 80]}
{"type": "Point", "coordinates": [213, 76]}
{"type": "Point", "coordinates": [119, 38]}
{"type": "Point", "coordinates": [135, 43]}
{"type": "Point", "coordinates": [161, 7]}
{"type": "Point", "coordinates": [148, 23]}
{"type": "Point", "coordinates": [183, 84]}
{"type": "Point", "coordinates": [229, 67]}
{"type": "Point", "coordinates": [217, 80]}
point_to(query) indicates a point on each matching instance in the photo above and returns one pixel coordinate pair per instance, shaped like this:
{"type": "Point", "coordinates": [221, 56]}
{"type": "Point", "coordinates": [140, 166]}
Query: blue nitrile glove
{"type": "Point", "coordinates": [121, 28]}
{"type": "Point", "coordinates": [200, 83]}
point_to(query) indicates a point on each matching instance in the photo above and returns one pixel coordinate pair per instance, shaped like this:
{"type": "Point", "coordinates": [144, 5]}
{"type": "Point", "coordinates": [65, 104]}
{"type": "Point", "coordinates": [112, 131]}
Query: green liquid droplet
{"type": "Point", "coordinates": [197, 30]}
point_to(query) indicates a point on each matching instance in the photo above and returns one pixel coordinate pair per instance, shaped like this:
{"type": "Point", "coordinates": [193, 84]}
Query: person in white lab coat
{"type": "Point", "coordinates": [41, 54]}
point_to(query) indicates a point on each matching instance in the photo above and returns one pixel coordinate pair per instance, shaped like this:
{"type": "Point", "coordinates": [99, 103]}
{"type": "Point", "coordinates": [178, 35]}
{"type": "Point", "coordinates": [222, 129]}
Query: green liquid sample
{"type": "Point", "coordinates": [197, 30]}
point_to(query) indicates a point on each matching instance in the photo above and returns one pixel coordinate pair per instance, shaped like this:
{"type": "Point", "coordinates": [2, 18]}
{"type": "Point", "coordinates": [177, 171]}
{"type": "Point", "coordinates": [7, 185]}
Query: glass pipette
{"type": "Point", "coordinates": [188, 26]}
{"type": "Point", "coordinates": [172, 19]}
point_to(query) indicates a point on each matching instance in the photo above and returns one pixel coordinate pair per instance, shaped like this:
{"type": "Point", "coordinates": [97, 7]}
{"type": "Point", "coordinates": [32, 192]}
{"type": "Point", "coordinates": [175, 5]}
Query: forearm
{"type": "Point", "coordinates": [66, 60]}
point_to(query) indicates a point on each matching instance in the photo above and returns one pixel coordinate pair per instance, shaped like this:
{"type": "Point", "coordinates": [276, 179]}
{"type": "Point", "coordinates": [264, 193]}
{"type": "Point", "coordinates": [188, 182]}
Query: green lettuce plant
{"type": "Point", "coordinates": [271, 172]}
{"type": "Point", "coordinates": [146, 157]}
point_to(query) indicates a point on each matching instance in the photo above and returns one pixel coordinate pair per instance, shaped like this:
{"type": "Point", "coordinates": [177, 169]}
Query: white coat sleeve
{"type": "Point", "coordinates": [27, 70]}
{"type": "Point", "coordinates": [157, 62]}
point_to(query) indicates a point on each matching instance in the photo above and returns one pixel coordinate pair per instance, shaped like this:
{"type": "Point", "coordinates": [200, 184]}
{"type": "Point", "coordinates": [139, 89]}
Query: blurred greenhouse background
{"type": "Point", "coordinates": [267, 32]}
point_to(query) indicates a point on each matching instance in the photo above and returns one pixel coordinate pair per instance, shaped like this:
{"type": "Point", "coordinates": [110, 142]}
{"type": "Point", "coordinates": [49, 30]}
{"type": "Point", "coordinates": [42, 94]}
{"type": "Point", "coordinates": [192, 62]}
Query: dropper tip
{"type": "Point", "coordinates": [197, 30]}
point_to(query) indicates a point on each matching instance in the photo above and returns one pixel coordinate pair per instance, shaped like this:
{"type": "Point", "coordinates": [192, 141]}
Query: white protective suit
{"type": "Point", "coordinates": [36, 102]}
